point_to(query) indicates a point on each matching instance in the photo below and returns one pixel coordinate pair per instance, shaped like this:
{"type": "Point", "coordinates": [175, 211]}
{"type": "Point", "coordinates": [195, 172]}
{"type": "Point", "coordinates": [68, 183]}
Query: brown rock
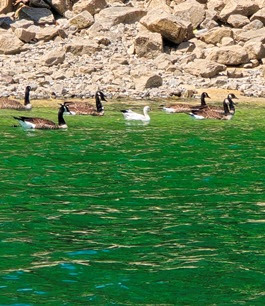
{"type": "Point", "coordinates": [238, 21]}
{"type": "Point", "coordinates": [255, 50]}
{"type": "Point", "coordinates": [260, 15]}
{"type": "Point", "coordinates": [148, 44]}
{"type": "Point", "coordinates": [229, 55]}
{"type": "Point", "coordinates": [82, 20]}
{"type": "Point", "coordinates": [10, 44]}
{"type": "Point", "coordinates": [241, 7]}
{"type": "Point", "coordinates": [5, 6]}
{"type": "Point", "coordinates": [54, 58]}
{"type": "Point", "coordinates": [84, 46]}
{"type": "Point", "coordinates": [92, 6]}
{"type": "Point", "coordinates": [25, 35]}
{"type": "Point", "coordinates": [169, 26]}
{"type": "Point", "coordinates": [149, 80]}
{"type": "Point", "coordinates": [216, 35]}
{"type": "Point", "coordinates": [115, 15]}
{"type": "Point", "coordinates": [190, 11]}
{"type": "Point", "coordinates": [204, 68]}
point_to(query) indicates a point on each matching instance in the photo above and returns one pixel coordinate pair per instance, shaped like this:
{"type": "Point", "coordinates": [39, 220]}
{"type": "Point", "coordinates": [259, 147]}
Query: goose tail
{"type": "Point", "coordinates": [17, 118]}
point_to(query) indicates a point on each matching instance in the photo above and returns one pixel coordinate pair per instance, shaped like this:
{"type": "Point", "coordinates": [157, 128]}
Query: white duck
{"type": "Point", "coordinates": [130, 115]}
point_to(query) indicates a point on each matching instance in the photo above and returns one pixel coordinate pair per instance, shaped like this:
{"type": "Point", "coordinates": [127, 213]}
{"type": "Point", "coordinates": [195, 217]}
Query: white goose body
{"type": "Point", "coordinates": [169, 110]}
{"type": "Point", "coordinates": [130, 115]}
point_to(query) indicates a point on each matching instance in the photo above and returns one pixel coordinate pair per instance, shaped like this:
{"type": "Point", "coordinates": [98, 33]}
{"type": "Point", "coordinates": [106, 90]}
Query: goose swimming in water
{"type": "Point", "coordinates": [83, 108]}
{"type": "Point", "coordinates": [6, 103]}
{"type": "Point", "coordinates": [130, 115]}
{"type": "Point", "coordinates": [44, 124]}
{"type": "Point", "coordinates": [186, 108]}
{"type": "Point", "coordinates": [208, 113]}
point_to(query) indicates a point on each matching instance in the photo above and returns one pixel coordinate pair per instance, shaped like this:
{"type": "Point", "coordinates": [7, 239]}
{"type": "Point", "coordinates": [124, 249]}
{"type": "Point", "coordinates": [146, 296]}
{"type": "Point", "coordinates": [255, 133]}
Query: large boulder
{"type": "Point", "coordinates": [258, 35]}
{"type": "Point", "coordinates": [190, 11]}
{"type": "Point", "coordinates": [115, 15]}
{"type": "Point", "coordinates": [148, 44]}
{"type": "Point", "coordinates": [241, 7]}
{"type": "Point", "coordinates": [168, 25]}
{"type": "Point", "coordinates": [49, 33]}
{"type": "Point", "coordinates": [148, 80]}
{"type": "Point", "coordinates": [37, 15]}
{"type": "Point", "coordinates": [92, 6]}
{"type": "Point", "coordinates": [163, 4]}
{"type": "Point", "coordinates": [204, 68]}
{"type": "Point", "coordinates": [238, 21]}
{"type": "Point", "coordinates": [10, 44]}
{"type": "Point", "coordinates": [255, 50]}
{"type": "Point", "coordinates": [216, 35]}
{"type": "Point", "coordinates": [260, 15]}
{"type": "Point", "coordinates": [229, 55]}
{"type": "Point", "coordinates": [53, 57]}
{"type": "Point", "coordinates": [5, 6]}
{"type": "Point", "coordinates": [82, 20]}
{"type": "Point", "coordinates": [61, 6]}
{"type": "Point", "coordinates": [216, 5]}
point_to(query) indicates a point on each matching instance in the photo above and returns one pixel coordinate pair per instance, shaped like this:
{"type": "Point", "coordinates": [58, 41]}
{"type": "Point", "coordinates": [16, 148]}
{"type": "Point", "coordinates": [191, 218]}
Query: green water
{"type": "Point", "coordinates": [109, 213]}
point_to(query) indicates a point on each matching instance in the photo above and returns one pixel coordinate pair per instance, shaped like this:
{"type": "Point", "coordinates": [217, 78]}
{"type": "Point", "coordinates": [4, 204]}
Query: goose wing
{"type": "Point", "coordinates": [10, 104]}
{"type": "Point", "coordinates": [208, 113]}
{"type": "Point", "coordinates": [130, 115]}
{"type": "Point", "coordinates": [33, 122]}
{"type": "Point", "coordinates": [182, 108]}
{"type": "Point", "coordinates": [81, 108]}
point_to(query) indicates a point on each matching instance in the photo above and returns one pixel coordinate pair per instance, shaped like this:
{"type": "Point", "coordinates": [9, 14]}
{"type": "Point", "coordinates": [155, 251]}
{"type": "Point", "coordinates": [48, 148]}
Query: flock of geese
{"type": "Point", "coordinates": [201, 111]}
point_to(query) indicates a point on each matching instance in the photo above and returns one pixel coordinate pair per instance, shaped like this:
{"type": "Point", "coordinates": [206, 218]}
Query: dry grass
{"type": "Point", "coordinates": [217, 96]}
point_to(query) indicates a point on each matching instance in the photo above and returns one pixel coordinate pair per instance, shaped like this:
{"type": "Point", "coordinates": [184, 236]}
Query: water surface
{"type": "Point", "coordinates": [110, 213]}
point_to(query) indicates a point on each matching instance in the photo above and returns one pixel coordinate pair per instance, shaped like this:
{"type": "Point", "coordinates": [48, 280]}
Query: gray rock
{"type": "Point", "coordinates": [37, 15]}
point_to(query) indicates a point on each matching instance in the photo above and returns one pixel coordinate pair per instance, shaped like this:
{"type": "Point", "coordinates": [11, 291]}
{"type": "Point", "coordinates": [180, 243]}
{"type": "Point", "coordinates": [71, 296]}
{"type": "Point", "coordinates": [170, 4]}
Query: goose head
{"type": "Point", "coordinates": [231, 96]}
{"type": "Point", "coordinates": [205, 95]}
{"type": "Point", "coordinates": [101, 95]}
{"type": "Point", "coordinates": [146, 109]}
{"type": "Point", "coordinates": [65, 109]}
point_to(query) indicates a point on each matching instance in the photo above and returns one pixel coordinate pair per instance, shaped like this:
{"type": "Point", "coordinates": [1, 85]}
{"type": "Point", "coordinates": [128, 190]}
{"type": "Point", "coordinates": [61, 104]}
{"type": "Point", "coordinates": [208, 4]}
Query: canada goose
{"type": "Point", "coordinates": [130, 115]}
{"type": "Point", "coordinates": [186, 108]}
{"type": "Point", "coordinates": [208, 113]}
{"type": "Point", "coordinates": [83, 108]}
{"type": "Point", "coordinates": [231, 103]}
{"type": "Point", "coordinates": [6, 103]}
{"type": "Point", "coordinates": [44, 124]}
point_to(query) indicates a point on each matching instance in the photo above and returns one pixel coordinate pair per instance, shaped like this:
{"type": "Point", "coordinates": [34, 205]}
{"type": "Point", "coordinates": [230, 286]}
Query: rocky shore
{"type": "Point", "coordinates": [152, 48]}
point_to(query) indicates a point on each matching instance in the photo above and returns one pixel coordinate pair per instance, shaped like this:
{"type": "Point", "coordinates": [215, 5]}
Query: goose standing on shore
{"type": "Point", "coordinates": [6, 103]}
{"type": "Point", "coordinates": [130, 115]}
{"type": "Point", "coordinates": [45, 124]}
{"type": "Point", "coordinates": [84, 108]}
{"type": "Point", "coordinates": [186, 108]}
{"type": "Point", "coordinates": [208, 113]}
